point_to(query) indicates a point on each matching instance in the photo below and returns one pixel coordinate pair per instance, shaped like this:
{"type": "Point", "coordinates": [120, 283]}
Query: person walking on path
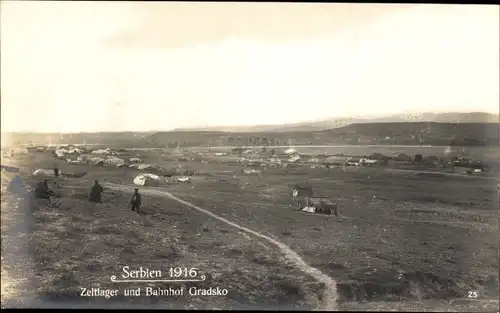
{"type": "Point", "coordinates": [136, 201]}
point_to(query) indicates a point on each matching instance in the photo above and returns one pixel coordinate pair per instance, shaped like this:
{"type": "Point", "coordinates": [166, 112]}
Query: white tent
{"type": "Point", "coordinates": [102, 151]}
{"type": "Point", "coordinates": [147, 180]}
{"type": "Point", "coordinates": [368, 161]}
{"type": "Point", "coordinates": [251, 171]}
{"type": "Point", "coordinates": [313, 160]}
{"type": "Point", "coordinates": [96, 161]}
{"type": "Point", "coordinates": [69, 151]}
{"type": "Point", "coordinates": [145, 166]}
{"type": "Point", "coordinates": [112, 160]}
{"type": "Point", "coordinates": [309, 209]}
{"type": "Point", "coordinates": [294, 158]}
{"type": "Point", "coordinates": [60, 153]}
{"type": "Point", "coordinates": [135, 160]}
{"type": "Point", "coordinates": [45, 172]}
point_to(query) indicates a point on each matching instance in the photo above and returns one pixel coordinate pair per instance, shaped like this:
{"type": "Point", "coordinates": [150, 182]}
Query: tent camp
{"type": "Point", "coordinates": [147, 180]}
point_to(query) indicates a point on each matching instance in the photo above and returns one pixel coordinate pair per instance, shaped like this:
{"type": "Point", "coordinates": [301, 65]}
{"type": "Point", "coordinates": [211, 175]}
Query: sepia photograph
{"type": "Point", "coordinates": [250, 156]}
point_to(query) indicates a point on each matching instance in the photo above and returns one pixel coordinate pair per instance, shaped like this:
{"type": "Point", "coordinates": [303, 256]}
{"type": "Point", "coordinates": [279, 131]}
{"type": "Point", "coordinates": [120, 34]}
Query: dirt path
{"type": "Point", "coordinates": [329, 299]}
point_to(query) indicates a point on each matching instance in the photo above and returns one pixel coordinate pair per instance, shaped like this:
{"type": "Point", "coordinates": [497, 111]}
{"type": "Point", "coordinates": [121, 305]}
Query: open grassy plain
{"type": "Point", "coordinates": [403, 238]}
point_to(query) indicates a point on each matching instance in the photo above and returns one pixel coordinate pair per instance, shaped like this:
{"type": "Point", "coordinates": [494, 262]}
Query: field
{"type": "Point", "coordinates": [405, 240]}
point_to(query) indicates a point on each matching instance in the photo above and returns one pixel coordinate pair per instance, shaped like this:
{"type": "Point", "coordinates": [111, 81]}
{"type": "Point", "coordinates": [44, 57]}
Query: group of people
{"type": "Point", "coordinates": [97, 190]}
{"type": "Point", "coordinates": [43, 191]}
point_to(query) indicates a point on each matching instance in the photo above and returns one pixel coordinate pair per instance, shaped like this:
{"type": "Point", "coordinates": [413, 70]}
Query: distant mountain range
{"type": "Point", "coordinates": [387, 133]}
{"type": "Point", "coordinates": [456, 129]}
{"type": "Point", "coordinates": [473, 117]}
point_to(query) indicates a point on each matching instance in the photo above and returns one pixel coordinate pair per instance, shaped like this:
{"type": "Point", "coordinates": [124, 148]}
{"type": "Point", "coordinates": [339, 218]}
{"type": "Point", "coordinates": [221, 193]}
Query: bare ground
{"type": "Point", "coordinates": [404, 238]}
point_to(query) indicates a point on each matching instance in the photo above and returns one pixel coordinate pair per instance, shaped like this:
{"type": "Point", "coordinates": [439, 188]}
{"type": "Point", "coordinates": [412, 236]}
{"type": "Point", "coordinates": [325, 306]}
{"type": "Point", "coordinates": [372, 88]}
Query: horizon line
{"type": "Point", "coordinates": [200, 129]}
{"type": "Point", "coordinates": [204, 128]}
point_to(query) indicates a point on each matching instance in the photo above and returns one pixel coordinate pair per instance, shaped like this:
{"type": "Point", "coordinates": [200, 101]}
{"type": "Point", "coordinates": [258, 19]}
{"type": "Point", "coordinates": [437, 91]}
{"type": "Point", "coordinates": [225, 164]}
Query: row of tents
{"type": "Point", "coordinates": [143, 179]}
{"type": "Point", "coordinates": [373, 159]}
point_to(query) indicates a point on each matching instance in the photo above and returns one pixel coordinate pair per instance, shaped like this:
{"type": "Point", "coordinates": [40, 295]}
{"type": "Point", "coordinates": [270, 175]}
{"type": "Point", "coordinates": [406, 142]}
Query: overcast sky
{"type": "Point", "coordinates": [94, 66]}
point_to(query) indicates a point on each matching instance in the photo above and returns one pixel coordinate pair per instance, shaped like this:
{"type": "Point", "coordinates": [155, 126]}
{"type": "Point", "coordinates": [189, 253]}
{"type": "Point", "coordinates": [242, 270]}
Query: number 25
{"type": "Point", "coordinates": [473, 294]}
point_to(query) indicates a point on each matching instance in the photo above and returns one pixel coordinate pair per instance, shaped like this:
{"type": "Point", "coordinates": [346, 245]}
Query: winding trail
{"type": "Point", "coordinates": [329, 299]}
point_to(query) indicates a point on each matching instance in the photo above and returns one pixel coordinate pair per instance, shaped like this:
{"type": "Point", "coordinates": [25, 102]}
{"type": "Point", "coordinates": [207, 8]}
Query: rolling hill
{"type": "Point", "coordinates": [409, 129]}
{"type": "Point", "coordinates": [408, 133]}
{"type": "Point", "coordinates": [472, 117]}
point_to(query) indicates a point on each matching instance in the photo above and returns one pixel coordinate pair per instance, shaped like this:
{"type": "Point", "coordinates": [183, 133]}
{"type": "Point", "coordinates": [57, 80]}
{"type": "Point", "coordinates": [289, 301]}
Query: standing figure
{"type": "Point", "coordinates": [136, 201]}
{"type": "Point", "coordinates": [95, 193]}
